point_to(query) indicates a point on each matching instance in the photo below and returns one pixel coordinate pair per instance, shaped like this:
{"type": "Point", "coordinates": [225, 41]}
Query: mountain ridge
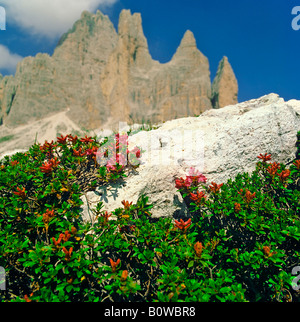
{"type": "Point", "coordinates": [101, 76]}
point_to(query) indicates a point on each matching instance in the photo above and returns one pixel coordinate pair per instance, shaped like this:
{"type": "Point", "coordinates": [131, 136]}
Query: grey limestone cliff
{"type": "Point", "coordinates": [100, 76]}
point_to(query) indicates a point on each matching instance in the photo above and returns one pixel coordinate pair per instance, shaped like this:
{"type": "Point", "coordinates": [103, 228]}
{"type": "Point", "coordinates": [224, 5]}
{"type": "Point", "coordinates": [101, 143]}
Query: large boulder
{"type": "Point", "coordinates": [219, 143]}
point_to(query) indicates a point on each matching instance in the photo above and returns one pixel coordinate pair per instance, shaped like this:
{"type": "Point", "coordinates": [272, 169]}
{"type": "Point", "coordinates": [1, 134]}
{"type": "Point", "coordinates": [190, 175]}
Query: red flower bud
{"type": "Point", "coordinates": [198, 249]}
{"type": "Point", "coordinates": [124, 276]}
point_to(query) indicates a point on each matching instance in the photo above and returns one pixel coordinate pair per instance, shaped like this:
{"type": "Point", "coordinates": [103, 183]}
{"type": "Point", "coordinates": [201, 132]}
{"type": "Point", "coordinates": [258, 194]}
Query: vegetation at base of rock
{"type": "Point", "coordinates": [240, 243]}
{"type": "Point", "coordinates": [6, 138]}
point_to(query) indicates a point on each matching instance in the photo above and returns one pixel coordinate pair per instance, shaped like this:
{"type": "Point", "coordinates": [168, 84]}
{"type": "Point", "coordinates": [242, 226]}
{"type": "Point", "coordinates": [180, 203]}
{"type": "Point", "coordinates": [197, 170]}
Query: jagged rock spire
{"type": "Point", "coordinates": [225, 85]}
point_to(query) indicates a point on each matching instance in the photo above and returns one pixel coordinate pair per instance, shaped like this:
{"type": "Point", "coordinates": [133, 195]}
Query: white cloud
{"type": "Point", "coordinates": [8, 60]}
{"type": "Point", "coordinates": [49, 18]}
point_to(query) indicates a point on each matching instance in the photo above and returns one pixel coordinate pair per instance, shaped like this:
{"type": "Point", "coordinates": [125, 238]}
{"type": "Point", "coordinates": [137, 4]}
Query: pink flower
{"type": "Point", "coordinates": [121, 141]}
{"type": "Point", "coordinates": [195, 176]}
{"type": "Point", "coordinates": [110, 167]}
{"type": "Point", "coordinates": [92, 151]}
{"type": "Point", "coordinates": [193, 172]}
{"type": "Point", "coordinates": [137, 152]}
{"type": "Point", "coordinates": [121, 159]}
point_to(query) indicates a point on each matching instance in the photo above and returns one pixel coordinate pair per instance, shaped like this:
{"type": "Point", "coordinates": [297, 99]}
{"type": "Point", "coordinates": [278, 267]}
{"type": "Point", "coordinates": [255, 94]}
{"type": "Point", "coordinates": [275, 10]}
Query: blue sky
{"type": "Point", "coordinates": [256, 36]}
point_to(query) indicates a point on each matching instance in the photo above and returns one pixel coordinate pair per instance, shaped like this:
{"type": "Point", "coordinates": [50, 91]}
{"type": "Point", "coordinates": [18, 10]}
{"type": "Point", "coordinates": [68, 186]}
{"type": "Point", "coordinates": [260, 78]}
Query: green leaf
{"type": "Point", "coordinates": [69, 288]}
{"type": "Point", "coordinates": [191, 264]}
{"type": "Point", "coordinates": [47, 280]}
{"type": "Point", "coordinates": [225, 289]}
{"type": "Point", "coordinates": [29, 264]}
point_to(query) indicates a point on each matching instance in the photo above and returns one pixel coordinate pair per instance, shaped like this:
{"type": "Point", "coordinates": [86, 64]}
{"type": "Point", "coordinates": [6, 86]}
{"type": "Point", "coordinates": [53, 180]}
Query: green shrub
{"type": "Point", "coordinates": [239, 245]}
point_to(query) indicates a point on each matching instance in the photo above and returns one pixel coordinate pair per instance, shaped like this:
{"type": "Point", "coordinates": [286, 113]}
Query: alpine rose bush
{"type": "Point", "coordinates": [239, 243]}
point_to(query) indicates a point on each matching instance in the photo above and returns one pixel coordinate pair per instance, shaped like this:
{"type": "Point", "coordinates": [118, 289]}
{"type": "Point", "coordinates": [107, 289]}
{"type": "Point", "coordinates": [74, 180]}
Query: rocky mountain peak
{"type": "Point", "coordinates": [188, 54]}
{"type": "Point", "coordinates": [132, 39]}
{"type": "Point", "coordinates": [99, 76]}
{"type": "Point", "coordinates": [187, 46]}
{"type": "Point", "coordinates": [225, 85]}
{"type": "Point", "coordinates": [130, 25]}
{"type": "Point", "coordinates": [188, 40]}
{"type": "Point", "coordinates": [92, 34]}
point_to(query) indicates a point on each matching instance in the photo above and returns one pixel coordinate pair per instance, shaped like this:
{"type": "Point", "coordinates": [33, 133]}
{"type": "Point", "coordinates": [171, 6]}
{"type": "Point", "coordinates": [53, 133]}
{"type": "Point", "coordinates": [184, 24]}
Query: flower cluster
{"type": "Point", "coordinates": [198, 247]}
{"type": "Point", "coordinates": [48, 166]}
{"type": "Point", "coordinates": [47, 216]}
{"type": "Point", "coordinates": [267, 251]}
{"type": "Point", "coordinates": [114, 264]}
{"type": "Point", "coordinates": [183, 225]}
{"type": "Point", "coordinates": [193, 179]}
{"type": "Point", "coordinates": [62, 139]}
{"type": "Point", "coordinates": [198, 197]}
{"type": "Point", "coordinates": [190, 185]}
{"type": "Point", "coordinates": [105, 217]}
{"type": "Point", "coordinates": [247, 195]}
{"type": "Point", "coordinates": [237, 207]}
{"type": "Point", "coordinates": [62, 237]}
{"type": "Point", "coordinates": [79, 153]}
{"type": "Point", "coordinates": [273, 168]}
{"type": "Point", "coordinates": [68, 253]}
{"type": "Point", "coordinates": [47, 148]}
{"type": "Point", "coordinates": [297, 164]}
{"type": "Point", "coordinates": [21, 192]}
{"type": "Point", "coordinates": [215, 188]}
{"type": "Point", "coordinates": [284, 175]}
{"type": "Point", "coordinates": [266, 157]}
{"type": "Point", "coordinates": [87, 140]}
{"type": "Point", "coordinates": [126, 204]}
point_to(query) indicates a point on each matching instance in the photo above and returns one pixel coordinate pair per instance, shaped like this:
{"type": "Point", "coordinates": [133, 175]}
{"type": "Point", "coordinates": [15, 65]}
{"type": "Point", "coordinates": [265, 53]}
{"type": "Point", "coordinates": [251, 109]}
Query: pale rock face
{"type": "Point", "coordinates": [220, 143]}
{"type": "Point", "coordinates": [100, 77]}
{"type": "Point", "coordinates": [69, 80]}
{"type": "Point", "coordinates": [139, 88]}
{"type": "Point", "coordinates": [225, 86]}
{"type": "Point", "coordinates": [23, 137]}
